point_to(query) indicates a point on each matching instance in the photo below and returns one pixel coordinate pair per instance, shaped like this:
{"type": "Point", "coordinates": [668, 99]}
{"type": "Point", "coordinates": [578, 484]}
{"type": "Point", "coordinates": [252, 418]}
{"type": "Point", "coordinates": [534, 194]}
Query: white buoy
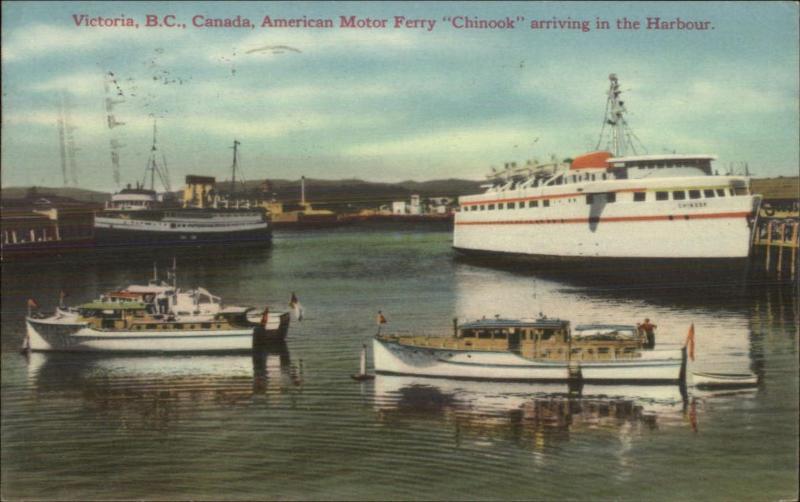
{"type": "Point", "coordinates": [362, 373]}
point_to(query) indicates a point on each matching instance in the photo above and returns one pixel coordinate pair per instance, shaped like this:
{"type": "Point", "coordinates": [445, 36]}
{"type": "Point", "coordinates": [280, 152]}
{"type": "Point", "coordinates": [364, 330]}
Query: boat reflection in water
{"type": "Point", "coordinates": [538, 415]}
{"type": "Point", "coordinates": [152, 392]}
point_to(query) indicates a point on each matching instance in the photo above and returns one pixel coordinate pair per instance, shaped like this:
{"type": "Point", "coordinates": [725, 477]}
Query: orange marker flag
{"type": "Point", "coordinates": [690, 342]}
{"type": "Point", "coordinates": [265, 317]}
{"type": "Point", "coordinates": [32, 305]}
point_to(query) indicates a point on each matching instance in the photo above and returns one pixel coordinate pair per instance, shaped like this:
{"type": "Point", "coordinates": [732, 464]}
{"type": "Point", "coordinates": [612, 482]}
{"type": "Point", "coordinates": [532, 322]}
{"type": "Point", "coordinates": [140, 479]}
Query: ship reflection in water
{"type": "Point", "coordinates": [154, 392]}
{"type": "Point", "coordinates": [537, 415]}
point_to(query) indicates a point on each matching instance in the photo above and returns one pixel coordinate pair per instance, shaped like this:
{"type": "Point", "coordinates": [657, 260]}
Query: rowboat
{"type": "Point", "coordinates": [703, 380]}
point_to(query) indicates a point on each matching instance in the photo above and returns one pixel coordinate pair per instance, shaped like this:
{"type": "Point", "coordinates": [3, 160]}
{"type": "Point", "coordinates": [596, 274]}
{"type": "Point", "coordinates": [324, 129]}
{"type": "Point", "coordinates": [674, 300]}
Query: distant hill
{"type": "Point", "coordinates": [340, 195]}
{"type": "Point", "coordinates": [354, 192]}
{"type": "Point", "coordinates": [79, 194]}
{"type": "Point", "coordinates": [778, 188]}
{"type": "Point", "coordinates": [450, 186]}
{"type": "Point", "coordinates": [360, 193]}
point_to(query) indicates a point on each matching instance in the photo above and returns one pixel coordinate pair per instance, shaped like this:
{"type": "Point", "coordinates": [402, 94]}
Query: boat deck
{"type": "Point", "coordinates": [575, 350]}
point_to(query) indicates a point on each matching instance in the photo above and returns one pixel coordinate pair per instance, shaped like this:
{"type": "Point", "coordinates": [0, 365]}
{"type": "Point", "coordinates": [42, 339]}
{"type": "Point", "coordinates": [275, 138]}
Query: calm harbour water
{"type": "Point", "coordinates": [289, 423]}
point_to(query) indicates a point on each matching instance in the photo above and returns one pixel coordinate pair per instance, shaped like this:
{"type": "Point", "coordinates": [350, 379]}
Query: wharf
{"type": "Point", "coordinates": [776, 242]}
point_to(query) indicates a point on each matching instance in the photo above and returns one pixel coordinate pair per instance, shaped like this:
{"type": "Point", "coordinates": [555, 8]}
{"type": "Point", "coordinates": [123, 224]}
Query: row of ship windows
{"type": "Point", "coordinates": [610, 197]}
{"type": "Point", "coordinates": [204, 325]}
{"type": "Point", "coordinates": [681, 194]}
{"type": "Point", "coordinates": [123, 204]}
{"type": "Point", "coordinates": [196, 225]}
{"type": "Point", "coordinates": [507, 205]}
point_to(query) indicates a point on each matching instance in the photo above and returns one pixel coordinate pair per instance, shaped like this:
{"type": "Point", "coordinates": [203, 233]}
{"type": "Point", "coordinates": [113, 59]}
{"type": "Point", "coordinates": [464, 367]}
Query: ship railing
{"type": "Point", "coordinates": [442, 340]}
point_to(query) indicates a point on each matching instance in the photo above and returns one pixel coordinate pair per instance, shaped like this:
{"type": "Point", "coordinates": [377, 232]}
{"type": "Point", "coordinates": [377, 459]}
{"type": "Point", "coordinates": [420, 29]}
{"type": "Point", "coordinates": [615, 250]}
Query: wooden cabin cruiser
{"type": "Point", "coordinates": [532, 350]}
{"type": "Point", "coordinates": [135, 326]}
{"type": "Point", "coordinates": [196, 304]}
{"type": "Point", "coordinates": [155, 317]}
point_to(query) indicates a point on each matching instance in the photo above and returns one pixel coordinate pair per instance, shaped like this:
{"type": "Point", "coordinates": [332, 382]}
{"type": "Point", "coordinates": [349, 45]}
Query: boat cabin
{"type": "Point", "coordinates": [133, 199]}
{"type": "Point", "coordinates": [660, 166]}
{"type": "Point", "coordinates": [512, 333]}
{"type": "Point", "coordinates": [139, 316]}
{"type": "Point", "coordinates": [543, 338]}
{"type": "Point", "coordinates": [113, 315]}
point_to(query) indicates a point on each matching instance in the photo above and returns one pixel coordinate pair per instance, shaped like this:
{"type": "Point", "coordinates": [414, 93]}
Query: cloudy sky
{"type": "Point", "coordinates": [388, 104]}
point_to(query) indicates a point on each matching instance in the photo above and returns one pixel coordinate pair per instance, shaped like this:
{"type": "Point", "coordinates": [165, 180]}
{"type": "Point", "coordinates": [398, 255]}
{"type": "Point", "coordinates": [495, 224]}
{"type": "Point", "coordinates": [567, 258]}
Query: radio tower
{"type": "Point", "coordinates": [69, 136]}
{"type": "Point", "coordinates": [62, 140]}
{"type": "Point", "coordinates": [66, 141]}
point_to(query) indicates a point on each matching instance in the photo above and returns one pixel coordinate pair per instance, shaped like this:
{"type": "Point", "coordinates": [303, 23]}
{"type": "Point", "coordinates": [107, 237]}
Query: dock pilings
{"type": "Point", "coordinates": [777, 241]}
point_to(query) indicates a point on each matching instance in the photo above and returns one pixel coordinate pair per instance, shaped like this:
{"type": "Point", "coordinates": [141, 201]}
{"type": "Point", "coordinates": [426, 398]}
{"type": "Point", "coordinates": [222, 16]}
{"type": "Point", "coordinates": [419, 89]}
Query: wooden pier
{"type": "Point", "coordinates": [776, 242]}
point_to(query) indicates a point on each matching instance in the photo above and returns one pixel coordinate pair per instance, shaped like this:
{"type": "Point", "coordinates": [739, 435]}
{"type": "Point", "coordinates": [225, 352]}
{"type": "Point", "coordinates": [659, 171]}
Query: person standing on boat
{"type": "Point", "coordinates": [649, 332]}
{"type": "Point", "coordinates": [294, 304]}
{"type": "Point", "coordinates": [162, 301]}
{"type": "Point", "coordinates": [381, 320]}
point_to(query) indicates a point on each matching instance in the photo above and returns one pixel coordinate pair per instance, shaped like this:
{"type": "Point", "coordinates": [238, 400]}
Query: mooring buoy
{"type": "Point", "coordinates": [362, 373]}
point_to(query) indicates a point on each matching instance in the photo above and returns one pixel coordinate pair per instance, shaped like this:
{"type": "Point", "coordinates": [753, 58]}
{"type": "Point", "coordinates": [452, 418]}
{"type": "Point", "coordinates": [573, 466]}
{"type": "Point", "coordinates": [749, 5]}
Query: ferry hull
{"type": "Point", "coordinates": [694, 269]}
{"type": "Point", "coordinates": [689, 236]}
{"type": "Point", "coordinates": [116, 237]}
{"type": "Point", "coordinates": [655, 367]}
{"type": "Point", "coordinates": [43, 336]}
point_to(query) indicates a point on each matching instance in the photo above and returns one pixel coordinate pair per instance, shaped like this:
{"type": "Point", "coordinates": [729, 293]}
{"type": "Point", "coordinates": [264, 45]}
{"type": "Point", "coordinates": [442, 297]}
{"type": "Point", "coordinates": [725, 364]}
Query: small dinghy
{"type": "Point", "coordinates": [724, 380]}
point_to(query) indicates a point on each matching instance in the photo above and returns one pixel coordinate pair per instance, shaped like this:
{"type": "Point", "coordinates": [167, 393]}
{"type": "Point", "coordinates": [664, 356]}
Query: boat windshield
{"type": "Point", "coordinates": [603, 332]}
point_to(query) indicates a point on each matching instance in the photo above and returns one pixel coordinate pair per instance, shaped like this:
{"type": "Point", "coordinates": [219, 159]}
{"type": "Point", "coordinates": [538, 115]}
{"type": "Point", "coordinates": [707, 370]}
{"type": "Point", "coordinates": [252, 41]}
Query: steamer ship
{"type": "Point", "coordinates": [612, 207]}
{"type": "Point", "coordinates": [138, 216]}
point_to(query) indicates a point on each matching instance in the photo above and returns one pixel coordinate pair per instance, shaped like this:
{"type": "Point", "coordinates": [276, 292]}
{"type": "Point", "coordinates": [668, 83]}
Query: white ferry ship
{"type": "Point", "coordinates": [604, 206]}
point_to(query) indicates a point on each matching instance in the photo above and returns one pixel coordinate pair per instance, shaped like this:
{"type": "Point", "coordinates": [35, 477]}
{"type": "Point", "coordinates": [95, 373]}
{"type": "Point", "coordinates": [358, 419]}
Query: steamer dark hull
{"type": "Point", "coordinates": [113, 237]}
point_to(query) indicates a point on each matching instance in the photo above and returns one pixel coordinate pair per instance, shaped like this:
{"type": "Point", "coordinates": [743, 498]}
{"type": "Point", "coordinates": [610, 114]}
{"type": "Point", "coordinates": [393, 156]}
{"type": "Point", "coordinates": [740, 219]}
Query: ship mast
{"type": "Point", "coordinates": [621, 136]}
{"type": "Point", "coordinates": [153, 167]}
{"type": "Point", "coordinates": [615, 116]}
{"type": "Point", "coordinates": [153, 160]}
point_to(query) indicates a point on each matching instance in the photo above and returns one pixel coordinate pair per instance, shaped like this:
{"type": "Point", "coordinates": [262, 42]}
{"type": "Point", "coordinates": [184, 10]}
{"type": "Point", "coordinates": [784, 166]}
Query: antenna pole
{"type": "Point", "coordinates": [62, 141]}
{"type": "Point", "coordinates": [153, 160]}
{"type": "Point", "coordinates": [233, 176]}
{"type": "Point", "coordinates": [615, 117]}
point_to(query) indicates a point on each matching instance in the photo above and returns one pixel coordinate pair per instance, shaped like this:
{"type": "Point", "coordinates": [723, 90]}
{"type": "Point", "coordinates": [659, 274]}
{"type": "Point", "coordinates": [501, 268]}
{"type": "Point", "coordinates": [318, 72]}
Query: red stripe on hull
{"type": "Point", "coordinates": [609, 219]}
